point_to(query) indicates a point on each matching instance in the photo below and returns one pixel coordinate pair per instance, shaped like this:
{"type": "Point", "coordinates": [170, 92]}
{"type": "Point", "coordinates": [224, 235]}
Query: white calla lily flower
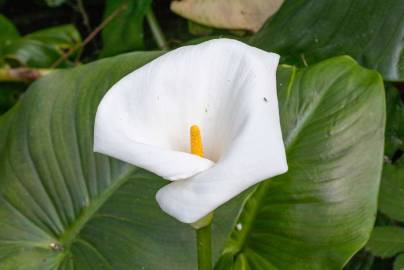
{"type": "Point", "coordinates": [225, 87]}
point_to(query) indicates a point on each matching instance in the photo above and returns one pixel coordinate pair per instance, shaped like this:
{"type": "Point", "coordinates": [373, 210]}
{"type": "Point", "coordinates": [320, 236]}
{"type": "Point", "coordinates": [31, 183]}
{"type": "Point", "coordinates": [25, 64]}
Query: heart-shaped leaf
{"type": "Point", "coordinates": [321, 212]}
{"type": "Point", "coordinates": [309, 31]}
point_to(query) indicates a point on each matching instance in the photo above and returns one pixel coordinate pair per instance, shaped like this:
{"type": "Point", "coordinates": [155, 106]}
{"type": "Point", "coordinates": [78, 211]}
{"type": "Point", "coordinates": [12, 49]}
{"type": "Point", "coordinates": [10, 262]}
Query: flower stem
{"type": "Point", "coordinates": [204, 247]}
{"type": "Point", "coordinates": [156, 30]}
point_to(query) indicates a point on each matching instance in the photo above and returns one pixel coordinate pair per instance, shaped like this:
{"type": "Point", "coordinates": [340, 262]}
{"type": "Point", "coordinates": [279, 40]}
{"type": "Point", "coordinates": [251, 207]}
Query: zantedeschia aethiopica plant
{"type": "Point", "coordinates": [228, 90]}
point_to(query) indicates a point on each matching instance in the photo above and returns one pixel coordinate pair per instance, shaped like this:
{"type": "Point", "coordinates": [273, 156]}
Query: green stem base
{"type": "Point", "coordinates": [204, 247]}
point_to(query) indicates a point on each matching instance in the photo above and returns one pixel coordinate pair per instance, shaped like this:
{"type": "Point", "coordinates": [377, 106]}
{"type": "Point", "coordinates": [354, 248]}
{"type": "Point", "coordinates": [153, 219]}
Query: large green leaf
{"type": "Point", "coordinates": [371, 31]}
{"type": "Point", "coordinates": [42, 48]}
{"type": "Point", "coordinates": [391, 197]}
{"type": "Point", "coordinates": [64, 207]}
{"type": "Point", "coordinates": [321, 212]}
{"type": "Point", "coordinates": [125, 32]}
{"type": "Point", "coordinates": [386, 241]}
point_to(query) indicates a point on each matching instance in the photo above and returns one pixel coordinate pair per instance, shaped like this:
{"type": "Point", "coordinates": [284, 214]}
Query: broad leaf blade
{"type": "Point", "coordinates": [391, 197]}
{"type": "Point", "coordinates": [321, 212]}
{"type": "Point", "coordinates": [386, 241]}
{"type": "Point", "coordinates": [309, 31]}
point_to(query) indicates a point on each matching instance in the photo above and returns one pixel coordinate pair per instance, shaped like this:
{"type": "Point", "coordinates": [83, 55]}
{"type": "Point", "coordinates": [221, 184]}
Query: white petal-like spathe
{"type": "Point", "coordinates": [225, 87]}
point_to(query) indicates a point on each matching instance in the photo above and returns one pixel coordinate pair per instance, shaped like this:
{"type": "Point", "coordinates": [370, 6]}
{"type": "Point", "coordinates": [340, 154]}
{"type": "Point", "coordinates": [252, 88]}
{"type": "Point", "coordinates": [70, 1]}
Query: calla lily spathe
{"type": "Point", "coordinates": [225, 87]}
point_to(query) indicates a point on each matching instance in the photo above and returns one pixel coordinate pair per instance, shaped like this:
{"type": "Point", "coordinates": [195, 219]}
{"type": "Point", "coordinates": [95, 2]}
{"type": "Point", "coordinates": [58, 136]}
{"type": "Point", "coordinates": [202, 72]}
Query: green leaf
{"type": "Point", "coordinates": [386, 241]}
{"type": "Point", "coordinates": [63, 206]}
{"type": "Point", "coordinates": [399, 262]}
{"type": "Point", "coordinates": [391, 197]}
{"type": "Point", "coordinates": [308, 31]}
{"type": "Point", "coordinates": [394, 123]}
{"type": "Point", "coordinates": [125, 32]}
{"type": "Point", "coordinates": [62, 37]}
{"type": "Point", "coordinates": [321, 212]}
{"type": "Point", "coordinates": [42, 48]}
{"type": "Point", "coordinates": [8, 32]}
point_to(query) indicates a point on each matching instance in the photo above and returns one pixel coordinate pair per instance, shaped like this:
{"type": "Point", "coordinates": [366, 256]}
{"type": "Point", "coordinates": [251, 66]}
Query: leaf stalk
{"type": "Point", "coordinates": [156, 30]}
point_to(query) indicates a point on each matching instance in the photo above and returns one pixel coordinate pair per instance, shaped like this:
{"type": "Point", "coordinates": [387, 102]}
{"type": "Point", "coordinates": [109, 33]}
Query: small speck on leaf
{"type": "Point", "coordinates": [55, 247]}
{"type": "Point", "coordinates": [239, 227]}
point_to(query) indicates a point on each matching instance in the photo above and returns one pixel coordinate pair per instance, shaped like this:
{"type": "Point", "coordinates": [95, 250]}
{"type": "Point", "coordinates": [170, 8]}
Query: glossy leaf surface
{"type": "Point", "coordinates": [371, 31]}
{"type": "Point", "coordinates": [321, 212]}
